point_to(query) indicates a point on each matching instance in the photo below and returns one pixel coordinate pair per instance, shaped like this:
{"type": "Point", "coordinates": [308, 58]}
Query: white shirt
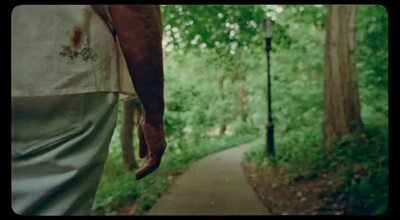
{"type": "Point", "coordinates": [65, 49]}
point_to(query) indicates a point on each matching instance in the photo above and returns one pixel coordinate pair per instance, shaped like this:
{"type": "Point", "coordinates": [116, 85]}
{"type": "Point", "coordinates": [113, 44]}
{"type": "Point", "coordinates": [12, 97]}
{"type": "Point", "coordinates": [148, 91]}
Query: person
{"type": "Point", "coordinates": [67, 72]}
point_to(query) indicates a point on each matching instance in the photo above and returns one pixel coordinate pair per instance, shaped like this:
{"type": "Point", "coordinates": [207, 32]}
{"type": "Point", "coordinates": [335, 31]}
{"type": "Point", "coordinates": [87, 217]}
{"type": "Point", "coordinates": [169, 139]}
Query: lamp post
{"type": "Point", "coordinates": [268, 28]}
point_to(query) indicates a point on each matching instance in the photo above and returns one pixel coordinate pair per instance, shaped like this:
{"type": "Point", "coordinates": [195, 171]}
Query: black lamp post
{"type": "Point", "coordinates": [268, 28]}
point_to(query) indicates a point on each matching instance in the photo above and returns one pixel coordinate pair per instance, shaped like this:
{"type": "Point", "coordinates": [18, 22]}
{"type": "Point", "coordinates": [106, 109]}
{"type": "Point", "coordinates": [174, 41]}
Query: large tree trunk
{"type": "Point", "coordinates": [341, 97]}
{"type": "Point", "coordinates": [127, 131]}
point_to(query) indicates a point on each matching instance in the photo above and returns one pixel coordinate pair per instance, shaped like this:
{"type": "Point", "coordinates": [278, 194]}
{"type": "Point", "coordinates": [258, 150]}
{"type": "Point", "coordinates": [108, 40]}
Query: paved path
{"type": "Point", "coordinates": [214, 185]}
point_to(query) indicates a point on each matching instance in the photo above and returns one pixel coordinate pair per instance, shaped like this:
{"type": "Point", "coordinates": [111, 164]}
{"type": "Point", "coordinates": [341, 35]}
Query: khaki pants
{"type": "Point", "coordinates": [59, 147]}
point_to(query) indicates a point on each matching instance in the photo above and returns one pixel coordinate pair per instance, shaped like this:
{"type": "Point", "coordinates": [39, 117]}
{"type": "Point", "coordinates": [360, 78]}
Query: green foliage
{"type": "Point", "coordinates": [205, 43]}
{"type": "Point", "coordinates": [362, 169]}
{"type": "Point", "coordinates": [372, 63]}
{"type": "Point", "coordinates": [359, 162]}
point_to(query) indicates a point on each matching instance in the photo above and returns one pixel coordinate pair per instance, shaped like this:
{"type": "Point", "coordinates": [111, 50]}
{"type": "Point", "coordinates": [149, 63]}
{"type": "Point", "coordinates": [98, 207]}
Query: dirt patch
{"type": "Point", "coordinates": [312, 196]}
{"type": "Point", "coordinates": [130, 208]}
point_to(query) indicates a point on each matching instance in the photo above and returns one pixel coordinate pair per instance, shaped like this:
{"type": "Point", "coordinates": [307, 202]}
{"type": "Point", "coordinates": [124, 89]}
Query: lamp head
{"type": "Point", "coordinates": [268, 27]}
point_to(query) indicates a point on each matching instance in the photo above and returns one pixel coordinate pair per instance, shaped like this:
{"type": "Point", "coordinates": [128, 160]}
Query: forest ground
{"type": "Point", "coordinates": [311, 196]}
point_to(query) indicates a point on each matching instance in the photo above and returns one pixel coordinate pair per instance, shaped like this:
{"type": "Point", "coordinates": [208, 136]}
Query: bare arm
{"type": "Point", "coordinates": [139, 32]}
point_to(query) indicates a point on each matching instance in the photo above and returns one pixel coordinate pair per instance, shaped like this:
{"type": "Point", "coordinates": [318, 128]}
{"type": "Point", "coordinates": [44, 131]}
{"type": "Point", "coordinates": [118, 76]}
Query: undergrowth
{"type": "Point", "coordinates": [359, 164]}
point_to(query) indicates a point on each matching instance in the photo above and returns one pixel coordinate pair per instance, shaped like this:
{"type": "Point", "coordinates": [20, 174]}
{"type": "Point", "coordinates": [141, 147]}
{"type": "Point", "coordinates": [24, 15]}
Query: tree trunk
{"type": "Point", "coordinates": [242, 104]}
{"type": "Point", "coordinates": [236, 74]}
{"type": "Point", "coordinates": [341, 97]}
{"type": "Point", "coordinates": [221, 80]}
{"type": "Point", "coordinates": [127, 131]}
{"type": "Point", "coordinates": [242, 92]}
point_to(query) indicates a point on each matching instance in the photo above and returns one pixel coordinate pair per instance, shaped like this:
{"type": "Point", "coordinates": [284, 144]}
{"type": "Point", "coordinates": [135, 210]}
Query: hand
{"type": "Point", "coordinates": [151, 144]}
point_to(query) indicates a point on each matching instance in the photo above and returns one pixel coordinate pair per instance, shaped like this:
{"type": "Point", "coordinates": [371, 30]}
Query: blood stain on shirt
{"type": "Point", "coordinates": [76, 38]}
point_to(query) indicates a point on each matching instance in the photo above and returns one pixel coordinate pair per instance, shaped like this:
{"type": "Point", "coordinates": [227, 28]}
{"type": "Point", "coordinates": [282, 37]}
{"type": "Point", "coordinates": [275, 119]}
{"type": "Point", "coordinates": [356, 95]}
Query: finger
{"type": "Point", "coordinates": [156, 144]}
{"type": "Point", "coordinates": [142, 142]}
{"type": "Point", "coordinates": [152, 165]}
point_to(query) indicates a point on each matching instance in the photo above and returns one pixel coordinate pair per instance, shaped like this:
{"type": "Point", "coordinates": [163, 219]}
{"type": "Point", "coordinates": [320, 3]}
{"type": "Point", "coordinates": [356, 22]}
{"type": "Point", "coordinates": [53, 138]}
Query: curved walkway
{"type": "Point", "coordinates": [214, 185]}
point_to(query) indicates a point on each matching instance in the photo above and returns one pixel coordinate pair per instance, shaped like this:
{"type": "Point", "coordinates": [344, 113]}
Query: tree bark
{"type": "Point", "coordinates": [242, 104]}
{"type": "Point", "coordinates": [221, 80]}
{"type": "Point", "coordinates": [236, 74]}
{"type": "Point", "coordinates": [242, 92]}
{"type": "Point", "coordinates": [341, 97]}
{"type": "Point", "coordinates": [127, 131]}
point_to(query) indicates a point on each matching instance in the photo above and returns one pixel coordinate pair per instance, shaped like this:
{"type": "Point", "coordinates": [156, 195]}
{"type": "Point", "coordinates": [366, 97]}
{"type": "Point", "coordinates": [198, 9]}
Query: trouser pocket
{"type": "Point", "coordinates": [39, 121]}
